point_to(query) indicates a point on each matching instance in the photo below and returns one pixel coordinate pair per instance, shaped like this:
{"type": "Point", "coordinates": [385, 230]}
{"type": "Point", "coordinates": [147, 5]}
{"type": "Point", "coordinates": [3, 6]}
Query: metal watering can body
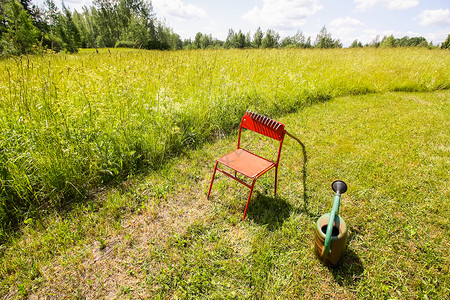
{"type": "Point", "coordinates": [338, 243]}
{"type": "Point", "coordinates": [331, 231]}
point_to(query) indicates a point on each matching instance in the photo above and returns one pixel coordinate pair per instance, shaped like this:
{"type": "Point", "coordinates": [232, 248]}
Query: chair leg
{"type": "Point", "coordinates": [248, 200]}
{"type": "Point", "coordinates": [212, 179]}
{"type": "Point", "coordinates": [276, 175]}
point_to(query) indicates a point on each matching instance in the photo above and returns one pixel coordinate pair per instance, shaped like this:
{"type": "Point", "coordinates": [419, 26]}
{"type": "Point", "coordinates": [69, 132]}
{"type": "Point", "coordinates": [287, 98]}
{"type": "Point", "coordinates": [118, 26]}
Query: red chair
{"type": "Point", "coordinates": [246, 163]}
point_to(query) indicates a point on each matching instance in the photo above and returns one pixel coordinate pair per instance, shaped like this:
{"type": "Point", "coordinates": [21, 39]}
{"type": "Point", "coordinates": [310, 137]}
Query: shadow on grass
{"type": "Point", "coordinates": [304, 162]}
{"type": "Point", "coordinates": [270, 211]}
{"type": "Point", "coordinates": [350, 270]}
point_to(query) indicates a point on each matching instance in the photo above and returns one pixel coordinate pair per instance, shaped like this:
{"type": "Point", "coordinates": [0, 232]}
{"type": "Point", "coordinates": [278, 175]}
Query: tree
{"type": "Point", "coordinates": [389, 41]}
{"type": "Point", "coordinates": [105, 16]}
{"type": "Point", "coordinates": [20, 31]}
{"type": "Point", "coordinates": [68, 31]}
{"type": "Point", "coordinates": [240, 41]}
{"type": "Point", "coordinates": [446, 44]}
{"type": "Point", "coordinates": [299, 40]}
{"type": "Point", "coordinates": [257, 38]}
{"type": "Point", "coordinates": [271, 39]}
{"type": "Point", "coordinates": [3, 21]}
{"type": "Point", "coordinates": [324, 40]}
{"type": "Point", "coordinates": [196, 44]}
{"type": "Point", "coordinates": [230, 39]}
{"type": "Point", "coordinates": [375, 42]}
{"type": "Point", "coordinates": [356, 44]}
{"type": "Point", "coordinates": [287, 42]}
{"type": "Point", "coordinates": [405, 41]}
{"type": "Point", "coordinates": [52, 17]}
{"type": "Point", "coordinates": [87, 28]}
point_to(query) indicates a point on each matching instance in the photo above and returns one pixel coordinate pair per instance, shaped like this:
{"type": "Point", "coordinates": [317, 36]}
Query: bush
{"type": "Point", "coordinates": [125, 44]}
{"type": "Point", "coordinates": [7, 48]}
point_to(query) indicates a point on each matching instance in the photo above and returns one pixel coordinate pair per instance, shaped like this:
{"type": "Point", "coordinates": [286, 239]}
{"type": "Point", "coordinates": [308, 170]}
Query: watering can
{"type": "Point", "coordinates": [331, 231]}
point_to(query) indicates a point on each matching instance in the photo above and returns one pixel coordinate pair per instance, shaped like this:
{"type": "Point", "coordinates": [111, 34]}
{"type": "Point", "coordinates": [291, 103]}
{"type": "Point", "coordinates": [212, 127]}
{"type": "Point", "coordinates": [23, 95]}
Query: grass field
{"type": "Point", "coordinates": [72, 123]}
{"type": "Point", "coordinates": [144, 121]}
{"type": "Point", "coordinates": [156, 236]}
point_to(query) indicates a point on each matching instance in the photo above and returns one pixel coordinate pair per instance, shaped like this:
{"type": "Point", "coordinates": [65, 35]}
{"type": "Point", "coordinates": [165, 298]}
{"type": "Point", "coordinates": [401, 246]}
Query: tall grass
{"type": "Point", "coordinates": [69, 123]}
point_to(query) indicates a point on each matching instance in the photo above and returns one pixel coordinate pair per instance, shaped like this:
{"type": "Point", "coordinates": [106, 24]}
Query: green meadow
{"type": "Point", "coordinates": [105, 161]}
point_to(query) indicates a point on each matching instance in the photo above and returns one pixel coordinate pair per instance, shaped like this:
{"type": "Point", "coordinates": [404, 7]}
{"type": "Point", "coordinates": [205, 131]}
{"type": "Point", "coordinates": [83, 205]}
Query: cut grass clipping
{"type": "Point", "coordinates": [156, 236]}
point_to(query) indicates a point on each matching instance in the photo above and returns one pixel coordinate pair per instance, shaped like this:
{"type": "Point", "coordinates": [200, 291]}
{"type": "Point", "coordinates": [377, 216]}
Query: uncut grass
{"type": "Point", "coordinates": [72, 122]}
{"type": "Point", "coordinates": [159, 237]}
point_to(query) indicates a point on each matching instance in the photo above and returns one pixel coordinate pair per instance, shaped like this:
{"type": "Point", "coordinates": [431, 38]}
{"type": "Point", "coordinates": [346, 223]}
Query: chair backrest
{"type": "Point", "coordinates": [263, 125]}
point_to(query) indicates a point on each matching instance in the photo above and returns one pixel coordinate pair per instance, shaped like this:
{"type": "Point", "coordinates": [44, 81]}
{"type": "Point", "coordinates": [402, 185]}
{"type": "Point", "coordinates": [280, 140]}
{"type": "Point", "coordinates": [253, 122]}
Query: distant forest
{"type": "Point", "coordinates": [26, 28]}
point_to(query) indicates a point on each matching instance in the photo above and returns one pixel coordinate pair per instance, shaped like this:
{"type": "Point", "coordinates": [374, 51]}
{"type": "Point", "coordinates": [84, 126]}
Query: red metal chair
{"type": "Point", "coordinates": [246, 163]}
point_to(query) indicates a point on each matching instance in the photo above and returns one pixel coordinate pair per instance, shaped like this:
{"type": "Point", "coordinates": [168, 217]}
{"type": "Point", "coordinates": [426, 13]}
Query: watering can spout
{"type": "Point", "coordinates": [339, 187]}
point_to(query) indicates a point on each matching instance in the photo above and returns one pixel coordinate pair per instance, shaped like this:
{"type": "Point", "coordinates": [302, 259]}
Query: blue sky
{"type": "Point", "coordinates": [346, 20]}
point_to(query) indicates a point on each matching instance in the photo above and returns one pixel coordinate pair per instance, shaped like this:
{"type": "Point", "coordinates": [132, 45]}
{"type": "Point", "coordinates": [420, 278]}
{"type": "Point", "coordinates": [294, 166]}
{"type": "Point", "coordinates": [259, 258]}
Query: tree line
{"type": "Point", "coordinates": [27, 28]}
{"type": "Point", "coordinates": [323, 40]}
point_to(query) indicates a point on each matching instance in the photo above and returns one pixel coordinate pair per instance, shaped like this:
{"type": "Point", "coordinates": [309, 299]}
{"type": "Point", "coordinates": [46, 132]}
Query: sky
{"type": "Point", "coordinates": [345, 20]}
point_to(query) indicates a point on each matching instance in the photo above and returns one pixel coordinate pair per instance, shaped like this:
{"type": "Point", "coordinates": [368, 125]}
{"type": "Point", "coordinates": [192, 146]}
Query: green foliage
{"type": "Point", "coordinates": [127, 20]}
{"type": "Point", "coordinates": [405, 41]}
{"type": "Point", "coordinates": [125, 44]}
{"type": "Point", "coordinates": [7, 48]}
{"type": "Point", "coordinates": [237, 40]}
{"type": "Point", "coordinates": [296, 41]}
{"type": "Point", "coordinates": [324, 40]}
{"type": "Point", "coordinates": [446, 43]}
{"type": "Point", "coordinates": [21, 35]}
{"type": "Point", "coordinates": [257, 38]}
{"type": "Point", "coordinates": [375, 43]}
{"type": "Point", "coordinates": [270, 40]}
{"type": "Point", "coordinates": [107, 23]}
{"type": "Point", "coordinates": [62, 33]}
{"type": "Point", "coordinates": [356, 44]}
{"type": "Point", "coordinates": [68, 32]}
{"type": "Point", "coordinates": [201, 41]}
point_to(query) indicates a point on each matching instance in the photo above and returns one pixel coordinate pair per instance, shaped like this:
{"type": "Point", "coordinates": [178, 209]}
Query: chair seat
{"type": "Point", "coordinates": [246, 163]}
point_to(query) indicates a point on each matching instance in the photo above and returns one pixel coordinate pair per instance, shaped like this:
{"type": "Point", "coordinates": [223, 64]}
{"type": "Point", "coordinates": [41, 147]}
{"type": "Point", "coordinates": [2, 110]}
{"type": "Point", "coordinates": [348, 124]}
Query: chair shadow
{"type": "Point", "coordinates": [272, 211]}
{"type": "Point", "coordinates": [269, 210]}
{"type": "Point", "coordinates": [305, 208]}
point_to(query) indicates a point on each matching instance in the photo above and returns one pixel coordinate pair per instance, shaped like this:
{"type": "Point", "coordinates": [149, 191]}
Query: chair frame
{"type": "Point", "coordinates": [247, 163]}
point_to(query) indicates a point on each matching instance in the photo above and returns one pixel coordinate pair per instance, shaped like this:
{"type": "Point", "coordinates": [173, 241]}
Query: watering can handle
{"type": "Point", "coordinates": [339, 187]}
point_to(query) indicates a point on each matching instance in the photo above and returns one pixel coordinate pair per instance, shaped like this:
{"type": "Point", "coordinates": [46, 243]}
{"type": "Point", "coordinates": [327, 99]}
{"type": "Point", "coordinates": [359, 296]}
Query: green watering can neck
{"type": "Point", "coordinates": [339, 187]}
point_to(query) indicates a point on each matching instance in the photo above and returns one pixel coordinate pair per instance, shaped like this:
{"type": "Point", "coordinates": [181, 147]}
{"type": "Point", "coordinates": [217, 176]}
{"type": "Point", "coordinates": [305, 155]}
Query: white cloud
{"type": "Point", "coordinates": [178, 9]}
{"type": "Point", "coordinates": [344, 28]}
{"type": "Point", "coordinates": [282, 14]}
{"type": "Point", "coordinates": [439, 17]}
{"type": "Point", "coordinates": [369, 35]}
{"type": "Point", "coordinates": [345, 22]}
{"type": "Point", "coordinates": [436, 37]}
{"type": "Point", "coordinates": [390, 4]}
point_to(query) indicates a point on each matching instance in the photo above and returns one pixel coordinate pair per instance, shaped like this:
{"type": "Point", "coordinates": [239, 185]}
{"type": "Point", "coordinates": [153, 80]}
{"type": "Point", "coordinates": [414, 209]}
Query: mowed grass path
{"type": "Point", "coordinates": [157, 236]}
